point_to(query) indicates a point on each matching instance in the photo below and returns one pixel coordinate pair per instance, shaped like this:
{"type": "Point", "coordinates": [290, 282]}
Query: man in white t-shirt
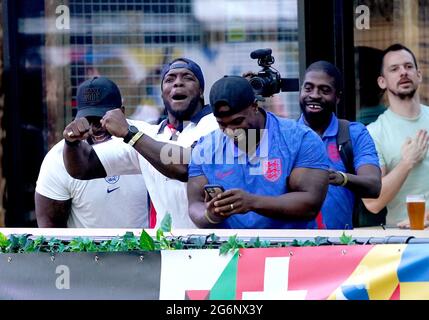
{"type": "Point", "coordinates": [401, 136]}
{"type": "Point", "coordinates": [112, 202]}
{"type": "Point", "coordinates": [159, 152]}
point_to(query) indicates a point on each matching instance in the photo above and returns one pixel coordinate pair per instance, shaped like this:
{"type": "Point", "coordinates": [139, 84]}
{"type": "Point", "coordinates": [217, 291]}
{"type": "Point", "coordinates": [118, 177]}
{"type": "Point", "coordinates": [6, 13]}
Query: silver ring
{"type": "Point", "coordinates": [70, 133]}
{"type": "Point", "coordinates": [232, 206]}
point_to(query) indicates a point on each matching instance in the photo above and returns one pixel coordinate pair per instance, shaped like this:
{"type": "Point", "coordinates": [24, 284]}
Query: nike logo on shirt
{"type": "Point", "coordinates": [111, 190]}
{"type": "Point", "coordinates": [222, 175]}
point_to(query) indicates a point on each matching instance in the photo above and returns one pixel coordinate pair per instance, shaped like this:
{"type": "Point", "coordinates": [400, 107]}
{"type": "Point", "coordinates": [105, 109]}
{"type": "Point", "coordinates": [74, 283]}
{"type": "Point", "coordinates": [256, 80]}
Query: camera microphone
{"type": "Point", "coordinates": [260, 53]}
{"type": "Point", "coordinates": [268, 81]}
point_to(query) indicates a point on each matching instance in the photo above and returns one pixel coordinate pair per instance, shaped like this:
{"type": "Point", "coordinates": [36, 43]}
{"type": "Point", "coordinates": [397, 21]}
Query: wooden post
{"type": "Point", "coordinates": [410, 24]}
{"type": "Point", "coordinates": [57, 83]}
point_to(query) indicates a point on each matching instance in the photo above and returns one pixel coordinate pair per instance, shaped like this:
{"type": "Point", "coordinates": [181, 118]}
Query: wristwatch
{"type": "Point", "coordinates": [132, 131]}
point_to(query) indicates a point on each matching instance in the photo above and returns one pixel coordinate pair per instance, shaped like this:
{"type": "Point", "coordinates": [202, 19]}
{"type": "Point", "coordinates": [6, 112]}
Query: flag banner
{"type": "Point", "coordinates": [359, 272]}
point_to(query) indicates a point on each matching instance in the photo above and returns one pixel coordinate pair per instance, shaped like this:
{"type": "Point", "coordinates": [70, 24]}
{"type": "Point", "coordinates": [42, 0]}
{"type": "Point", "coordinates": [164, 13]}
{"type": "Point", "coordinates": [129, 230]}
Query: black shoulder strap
{"type": "Point", "coordinates": [344, 144]}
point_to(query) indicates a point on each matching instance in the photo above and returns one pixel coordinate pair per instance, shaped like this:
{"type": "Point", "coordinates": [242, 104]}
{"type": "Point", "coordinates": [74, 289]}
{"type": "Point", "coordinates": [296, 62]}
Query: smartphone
{"type": "Point", "coordinates": [213, 189]}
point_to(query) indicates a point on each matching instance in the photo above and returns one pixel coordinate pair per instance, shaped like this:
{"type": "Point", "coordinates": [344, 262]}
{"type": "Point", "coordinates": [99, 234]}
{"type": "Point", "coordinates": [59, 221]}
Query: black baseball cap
{"type": "Point", "coordinates": [96, 96]}
{"type": "Point", "coordinates": [233, 91]}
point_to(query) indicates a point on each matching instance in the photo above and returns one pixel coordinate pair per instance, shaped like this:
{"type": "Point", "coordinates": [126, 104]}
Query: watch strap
{"type": "Point", "coordinates": [132, 131]}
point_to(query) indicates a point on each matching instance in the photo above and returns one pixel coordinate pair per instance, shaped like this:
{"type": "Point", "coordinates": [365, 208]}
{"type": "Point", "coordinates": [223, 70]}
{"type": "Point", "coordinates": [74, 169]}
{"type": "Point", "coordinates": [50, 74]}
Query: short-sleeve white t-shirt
{"type": "Point", "coordinates": [118, 201]}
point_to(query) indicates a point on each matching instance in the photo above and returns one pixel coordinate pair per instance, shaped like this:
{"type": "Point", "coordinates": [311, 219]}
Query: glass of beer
{"type": "Point", "coordinates": [416, 211]}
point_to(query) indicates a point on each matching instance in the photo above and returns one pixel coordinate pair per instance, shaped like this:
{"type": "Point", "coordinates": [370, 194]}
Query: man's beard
{"type": "Point", "coordinates": [183, 115]}
{"type": "Point", "coordinates": [406, 95]}
{"type": "Point", "coordinates": [319, 119]}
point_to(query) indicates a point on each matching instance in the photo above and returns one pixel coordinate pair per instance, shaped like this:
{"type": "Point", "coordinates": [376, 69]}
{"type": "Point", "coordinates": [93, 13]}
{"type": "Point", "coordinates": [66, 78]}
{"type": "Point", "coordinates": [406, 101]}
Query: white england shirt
{"type": "Point", "coordinates": [117, 201]}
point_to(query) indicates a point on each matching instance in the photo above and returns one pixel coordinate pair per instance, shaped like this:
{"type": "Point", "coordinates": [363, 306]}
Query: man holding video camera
{"type": "Point", "coordinates": [273, 171]}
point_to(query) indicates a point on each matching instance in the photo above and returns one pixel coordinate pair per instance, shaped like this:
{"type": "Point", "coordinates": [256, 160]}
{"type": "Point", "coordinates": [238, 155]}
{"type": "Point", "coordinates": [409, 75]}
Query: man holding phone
{"type": "Point", "coordinates": [274, 170]}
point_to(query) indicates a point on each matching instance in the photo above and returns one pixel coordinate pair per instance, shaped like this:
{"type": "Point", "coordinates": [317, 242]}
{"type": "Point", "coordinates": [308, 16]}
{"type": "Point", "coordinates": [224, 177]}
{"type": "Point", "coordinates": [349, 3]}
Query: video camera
{"type": "Point", "coordinates": [268, 81]}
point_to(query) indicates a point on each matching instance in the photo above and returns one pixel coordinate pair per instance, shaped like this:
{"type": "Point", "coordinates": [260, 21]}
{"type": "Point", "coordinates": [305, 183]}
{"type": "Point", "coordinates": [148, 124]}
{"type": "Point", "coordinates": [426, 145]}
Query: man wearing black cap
{"type": "Point", "coordinates": [113, 202]}
{"type": "Point", "coordinates": [163, 150]}
{"type": "Point", "coordinates": [273, 171]}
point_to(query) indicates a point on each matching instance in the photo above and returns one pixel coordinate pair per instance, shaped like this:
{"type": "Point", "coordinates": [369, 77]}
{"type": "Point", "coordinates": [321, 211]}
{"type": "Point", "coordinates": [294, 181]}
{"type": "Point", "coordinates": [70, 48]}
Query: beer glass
{"type": "Point", "coordinates": [416, 211]}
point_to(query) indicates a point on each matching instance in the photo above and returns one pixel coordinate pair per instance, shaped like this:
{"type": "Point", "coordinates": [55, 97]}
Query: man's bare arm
{"type": "Point", "coordinates": [80, 159]}
{"type": "Point", "coordinates": [307, 191]}
{"type": "Point", "coordinates": [51, 213]}
{"type": "Point", "coordinates": [391, 183]}
{"type": "Point", "coordinates": [196, 202]}
{"type": "Point", "coordinates": [169, 159]}
{"type": "Point", "coordinates": [366, 183]}
{"type": "Point", "coordinates": [413, 152]}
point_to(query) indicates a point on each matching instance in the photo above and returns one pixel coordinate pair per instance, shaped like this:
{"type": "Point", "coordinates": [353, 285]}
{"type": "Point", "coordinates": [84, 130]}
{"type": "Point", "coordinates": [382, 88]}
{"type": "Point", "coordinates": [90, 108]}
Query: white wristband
{"type": "Point", "coordinates": [134, 139]}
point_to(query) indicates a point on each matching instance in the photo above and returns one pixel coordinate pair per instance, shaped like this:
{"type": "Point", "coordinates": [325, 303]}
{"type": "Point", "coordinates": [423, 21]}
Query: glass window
{"type": "Point", "coordinates": [390, 22]}
{"type": "Point", "coordinates": [62, 43]}
{"type": "Point", "coordinates": [129, 41]}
